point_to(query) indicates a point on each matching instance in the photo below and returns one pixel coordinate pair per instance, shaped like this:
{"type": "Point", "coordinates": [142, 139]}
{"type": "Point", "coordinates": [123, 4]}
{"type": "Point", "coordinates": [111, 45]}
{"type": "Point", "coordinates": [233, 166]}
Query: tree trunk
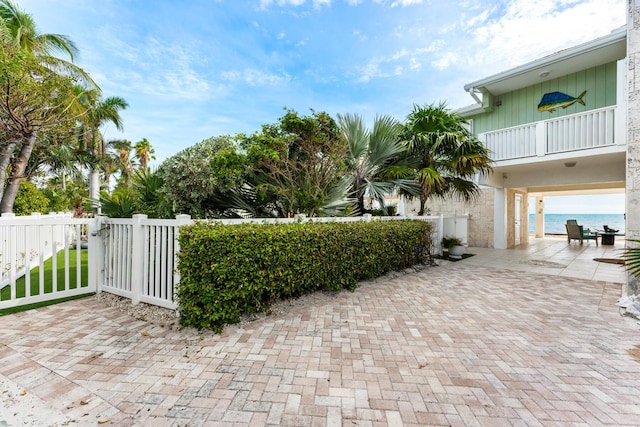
{"type": "Point", "coordinates": [361, 204]}
{"type": "Point", "coordinates": [17, 174]}
{"type": "Point", "coordinates": [423, 202]}
{"type": "Point", "coordinates": [94, 184]}
{"type": "Point", "coordinates": [5, 157]}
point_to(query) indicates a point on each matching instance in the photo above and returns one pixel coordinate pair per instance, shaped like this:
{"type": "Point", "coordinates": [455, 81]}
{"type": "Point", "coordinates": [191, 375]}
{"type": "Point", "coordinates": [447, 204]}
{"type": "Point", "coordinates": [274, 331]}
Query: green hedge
{"type": "Point", "coordinates": [230, 270]}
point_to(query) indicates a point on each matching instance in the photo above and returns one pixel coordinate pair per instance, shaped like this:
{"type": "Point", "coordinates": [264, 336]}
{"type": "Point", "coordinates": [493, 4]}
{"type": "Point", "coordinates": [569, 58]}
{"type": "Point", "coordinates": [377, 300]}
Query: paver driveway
{"type": "Point", "coordinates": [452, 345]}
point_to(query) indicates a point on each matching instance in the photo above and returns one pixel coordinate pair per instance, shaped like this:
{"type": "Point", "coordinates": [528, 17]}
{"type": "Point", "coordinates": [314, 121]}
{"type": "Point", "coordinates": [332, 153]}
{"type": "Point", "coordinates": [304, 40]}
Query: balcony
{"type": "Point", "coordinates": [593, 129]}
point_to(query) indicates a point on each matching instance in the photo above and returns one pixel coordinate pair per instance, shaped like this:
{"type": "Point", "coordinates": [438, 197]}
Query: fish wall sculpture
{"type": "Point", "coordinates": [551, 101]}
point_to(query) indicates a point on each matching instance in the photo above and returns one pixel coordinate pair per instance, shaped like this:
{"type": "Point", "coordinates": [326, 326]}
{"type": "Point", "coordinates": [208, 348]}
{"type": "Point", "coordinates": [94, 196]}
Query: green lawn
{"type": "Point", "coordinates": [5, 294]}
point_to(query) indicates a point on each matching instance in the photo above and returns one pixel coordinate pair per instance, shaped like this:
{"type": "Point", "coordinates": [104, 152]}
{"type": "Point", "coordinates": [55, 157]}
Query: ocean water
{"type": "Point", "coordinates": [554, 223]}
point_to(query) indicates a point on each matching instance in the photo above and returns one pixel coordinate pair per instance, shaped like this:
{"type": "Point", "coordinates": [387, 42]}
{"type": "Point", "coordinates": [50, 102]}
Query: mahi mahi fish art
{"type": "Point", "coordinates": [553, 100]}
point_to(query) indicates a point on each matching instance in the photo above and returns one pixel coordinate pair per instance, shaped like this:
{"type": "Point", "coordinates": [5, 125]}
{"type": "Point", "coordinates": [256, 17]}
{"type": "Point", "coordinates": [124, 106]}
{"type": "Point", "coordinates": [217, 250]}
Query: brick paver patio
{"type": "Point", "coordinates": [453, 345]}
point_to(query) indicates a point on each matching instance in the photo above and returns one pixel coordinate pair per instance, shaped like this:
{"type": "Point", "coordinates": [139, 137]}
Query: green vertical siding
{"type": "Point", "coordinates": [521, 106]}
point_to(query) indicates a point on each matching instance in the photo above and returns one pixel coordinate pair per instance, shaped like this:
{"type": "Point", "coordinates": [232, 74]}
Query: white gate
{"type": "Point", "coordinates": [44, 257]}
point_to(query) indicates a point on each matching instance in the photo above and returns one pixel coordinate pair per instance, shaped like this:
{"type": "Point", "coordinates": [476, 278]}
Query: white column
{"type": "Point", "coordinates": [632, 223]}
{"type": "Point", "coordinates": [500, 218]}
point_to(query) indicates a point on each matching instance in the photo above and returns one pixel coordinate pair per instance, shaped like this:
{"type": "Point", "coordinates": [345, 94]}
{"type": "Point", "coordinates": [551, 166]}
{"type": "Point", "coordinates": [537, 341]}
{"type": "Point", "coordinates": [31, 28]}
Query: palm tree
{"type": "Point", "coordinates": [449, 155]}
{"type": "Point", "coordinates": [99, 112]}
{"type": "Point", "coordinates": [20, 29]}
{"type": "Point", "coordinates": [376, 159]}
{"type": "Point", "coordinates": [33, 109]}
{"type": "Point", "coordinates": [144, 153]}
{"type": "Point", "coordinates": [122, 150]}
{"type": "Point", "coordinates": [56, 158]}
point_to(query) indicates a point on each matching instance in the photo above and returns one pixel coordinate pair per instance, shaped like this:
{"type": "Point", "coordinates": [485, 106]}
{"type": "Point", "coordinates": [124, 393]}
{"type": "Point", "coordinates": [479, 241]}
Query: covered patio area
{"type": "Point", "coordinates": [553, 255]}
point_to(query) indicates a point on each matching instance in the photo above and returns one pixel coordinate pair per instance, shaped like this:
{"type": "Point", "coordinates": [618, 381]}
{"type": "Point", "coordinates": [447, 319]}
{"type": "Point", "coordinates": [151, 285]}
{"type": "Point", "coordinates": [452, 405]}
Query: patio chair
{"type": "Point", "coordinates": [576, 232]}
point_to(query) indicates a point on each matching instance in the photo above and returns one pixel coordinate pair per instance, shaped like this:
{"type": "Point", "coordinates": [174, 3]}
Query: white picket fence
{"type": "Point", "coordinates": [135, 258]}
{"type": "Point", "coordinates": [33, 242]}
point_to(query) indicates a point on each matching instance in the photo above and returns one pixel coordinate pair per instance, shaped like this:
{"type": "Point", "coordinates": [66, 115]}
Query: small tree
{"type": "Point", "coordinates": [30, 199]}
{"type": "Point", "coordinates": [298, 163]}
{"type": "Point", "coordinates": [143, 196]}
{"type": "Point", "coordinates": [199, 177]}
{"type": "Point", "coordinates": [33, 99]}
{"type": "Point", "coordinates": [144, 152]}
{"type": "Point", "coordinates": [449, 156]}
{"type": "Point", "coordinates": [377, 160]}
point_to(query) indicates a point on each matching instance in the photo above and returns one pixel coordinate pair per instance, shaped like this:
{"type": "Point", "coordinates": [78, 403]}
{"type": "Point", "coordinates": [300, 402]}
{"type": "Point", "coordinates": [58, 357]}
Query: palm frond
{"type": "Point", "coordinates": [631, 256]}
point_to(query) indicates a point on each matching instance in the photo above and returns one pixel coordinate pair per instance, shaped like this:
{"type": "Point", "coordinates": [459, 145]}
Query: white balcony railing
{"type": "Point", "coordinates": [591, 129]}
{"type": "Point", "coordinates": [512, 143]}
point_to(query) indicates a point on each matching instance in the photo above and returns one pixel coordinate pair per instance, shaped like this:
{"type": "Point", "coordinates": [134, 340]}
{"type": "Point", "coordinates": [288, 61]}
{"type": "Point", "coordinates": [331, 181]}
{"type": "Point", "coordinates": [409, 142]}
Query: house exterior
{"type": "Point", "coordinates": [539, 148]}
{"type": "Point", "coordinates": [554, 126]}
{"type": "Point", "coordinates": [567, 123]}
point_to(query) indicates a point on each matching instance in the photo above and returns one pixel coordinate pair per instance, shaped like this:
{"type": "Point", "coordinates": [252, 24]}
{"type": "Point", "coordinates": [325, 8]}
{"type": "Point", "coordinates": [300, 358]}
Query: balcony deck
{"type": "Point", "coordinates": [594, 129]}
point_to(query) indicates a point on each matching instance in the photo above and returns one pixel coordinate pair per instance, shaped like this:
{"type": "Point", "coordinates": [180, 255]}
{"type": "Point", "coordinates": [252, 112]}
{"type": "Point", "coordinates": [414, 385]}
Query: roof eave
{"type": "Point", "coordinates": [614, 37]}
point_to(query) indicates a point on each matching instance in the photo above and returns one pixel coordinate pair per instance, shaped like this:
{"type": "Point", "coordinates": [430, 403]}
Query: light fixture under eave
{"type": "Point", "coordinates": [544, 73]}
{"type": "Point", "coordinates": [570, 164]}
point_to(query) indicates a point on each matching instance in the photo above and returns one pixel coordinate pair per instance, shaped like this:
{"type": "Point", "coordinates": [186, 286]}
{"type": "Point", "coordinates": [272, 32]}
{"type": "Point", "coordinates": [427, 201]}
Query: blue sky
{"type": "Point", "coordinates": [582, 204]}
{"type": "Point", "coordinates": [192, 69]}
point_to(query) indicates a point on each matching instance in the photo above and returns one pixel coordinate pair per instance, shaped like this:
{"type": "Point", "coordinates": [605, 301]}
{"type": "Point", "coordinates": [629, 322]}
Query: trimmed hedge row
{"type": "Point", "coordinates": [230, 270]}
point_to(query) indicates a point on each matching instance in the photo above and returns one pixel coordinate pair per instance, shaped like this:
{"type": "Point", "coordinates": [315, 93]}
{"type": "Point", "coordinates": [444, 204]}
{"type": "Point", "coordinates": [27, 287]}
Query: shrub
{"type": "Point", "coordinates": [30, 199]}
{"type": "Point", "coordinates": [227, 271]}
{"type": "Point", "coordinates": [448, 242]}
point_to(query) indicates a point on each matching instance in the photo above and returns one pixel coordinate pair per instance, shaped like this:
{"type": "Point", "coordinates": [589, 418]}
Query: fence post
{"type": "Point", "coordinates": [180, 220]}
{"type": "Point", "coordinates": [95, 247]}
{"type": "Point", "coordinates": [440, 233]}
{"type": "Point", "coordinates": [137, 258]}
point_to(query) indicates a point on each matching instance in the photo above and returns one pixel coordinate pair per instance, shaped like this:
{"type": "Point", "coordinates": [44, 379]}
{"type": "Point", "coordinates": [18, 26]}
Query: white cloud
{"type": "Point", "coordinates": [405, 3]}
{"type": "Point", "coordinates": [444, 60]}
{"type": "Point", "coordinates": [395, 63]}
{"type": "Point", "coordinates": [499, 36]}
{"type": "Point", "coordinates": [264, 4]}
{"type": "Point", "coordinates": [152, 67]}
{"type": "Point", "coordinates": [360, 35]}
{"type": "Point", "coordinates": [554, 25]}
{"type": "Point", "coordinates": [254, 77]}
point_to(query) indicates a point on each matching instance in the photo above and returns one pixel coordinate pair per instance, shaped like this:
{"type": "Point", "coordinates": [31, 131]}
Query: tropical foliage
{"type": "Point", "coordinates": [298, 165]}
{"type": "Point", "coordinates": [144, 195]}
{"type": "Point", "coordinates": [30, 199]}
{"type": "Point", "coordinates": [47, 103]}
{"type": "Point", "coordinates": [631, 256]}
{"type": "Point", "coordinates": [449, 156]}
{"type": "Point", "coordinates": [377, 161]}
{"type": "Point", "coordinates": [144, 152]}
{"type": "Point", "coordinates": [28, 107]}
{"type": "Point", "coordinates": [199, 176]}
